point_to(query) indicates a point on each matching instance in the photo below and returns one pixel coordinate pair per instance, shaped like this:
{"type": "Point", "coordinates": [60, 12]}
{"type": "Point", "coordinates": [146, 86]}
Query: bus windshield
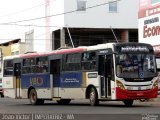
{"type": "Point", "coordinates": [135, 65]}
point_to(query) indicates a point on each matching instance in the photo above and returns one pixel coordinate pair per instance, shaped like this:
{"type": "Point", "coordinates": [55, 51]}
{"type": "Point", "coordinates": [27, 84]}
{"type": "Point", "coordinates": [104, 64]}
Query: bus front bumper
{"type": "Point", "coordinates": [136, 95]}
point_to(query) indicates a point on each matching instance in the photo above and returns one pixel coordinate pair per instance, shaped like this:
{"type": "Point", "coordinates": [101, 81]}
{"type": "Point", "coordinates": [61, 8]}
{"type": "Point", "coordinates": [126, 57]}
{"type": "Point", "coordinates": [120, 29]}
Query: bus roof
{"type": "Point", "coordinates": [100, 46]}
{"type": "Point", "coordinates": [73, 50]}
{"type": "Point", "coordinates": [11, 57]}
{"type": "Point", "coordinates": [63, 51]}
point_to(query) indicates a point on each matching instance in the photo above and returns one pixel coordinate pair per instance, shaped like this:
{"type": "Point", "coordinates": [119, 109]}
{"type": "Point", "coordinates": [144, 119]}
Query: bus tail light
{"type": "Point", "coordinates": [155, 85]}
{"type": "Point", "coordinates": [120, 85]}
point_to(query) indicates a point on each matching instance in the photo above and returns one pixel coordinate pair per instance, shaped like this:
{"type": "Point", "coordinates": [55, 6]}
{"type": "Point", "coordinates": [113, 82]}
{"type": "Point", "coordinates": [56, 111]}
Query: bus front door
{"type": "Point", "coordinates": [17, 76]}
{"type": "Point", "coordinates": [105, 72]}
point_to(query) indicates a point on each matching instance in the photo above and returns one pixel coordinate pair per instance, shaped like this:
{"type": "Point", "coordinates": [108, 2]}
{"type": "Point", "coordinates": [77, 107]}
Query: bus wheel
{"type": "Point", "coordinates": [93, 97]}
{"type": "Point", "coordinates": [64, 101]}
{"type": "Point", "coordinates": [0, 96]}
{"type": "Point", "coordinates": [33, 97]}
{"type": "Point", "coordinates": [128, 103]}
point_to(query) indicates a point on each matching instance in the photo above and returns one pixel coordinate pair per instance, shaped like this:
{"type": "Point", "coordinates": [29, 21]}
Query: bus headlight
{"type": "Point", "coordinates": [155, 85]}
{"type": "Point", "coordinates": [120, 85]}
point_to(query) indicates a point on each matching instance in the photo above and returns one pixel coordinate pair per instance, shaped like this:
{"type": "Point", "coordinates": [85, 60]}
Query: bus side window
{"type": "Point", "coordinates": [85, 56]}
{"type": "Point", "coordinates": [8, 68]}
{"type": "Point", "coordinates": [45, 66]}
{"type": "Point", "coordinates": [86, 65]}
{"type": "Point", "coordinates": [28, 65]}
{"type": "Point", "coordinates": [73, 62]}
{"type": "Point", "coordinates": [42, 65]}
{"type": "Point", "coordinates": [89, 61]}
{"type": "Point", "coordinates": [17, 70]}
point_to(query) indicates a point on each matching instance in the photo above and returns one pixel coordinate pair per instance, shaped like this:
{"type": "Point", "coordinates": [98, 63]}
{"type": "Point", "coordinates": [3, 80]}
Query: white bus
{"type": "Point", "coordinates": [112, 71]}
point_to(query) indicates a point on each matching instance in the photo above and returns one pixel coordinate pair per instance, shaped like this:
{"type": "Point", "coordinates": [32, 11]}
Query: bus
{"type": "Point", "coordinates": [104, 72]}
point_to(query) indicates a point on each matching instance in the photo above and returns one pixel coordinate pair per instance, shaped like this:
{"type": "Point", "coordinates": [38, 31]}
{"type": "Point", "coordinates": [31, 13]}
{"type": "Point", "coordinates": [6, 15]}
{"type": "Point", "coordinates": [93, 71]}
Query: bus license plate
{"type": "Point", "coordinates": [139, 94]}
{"type": "Point", "coordinates": [130, 88]}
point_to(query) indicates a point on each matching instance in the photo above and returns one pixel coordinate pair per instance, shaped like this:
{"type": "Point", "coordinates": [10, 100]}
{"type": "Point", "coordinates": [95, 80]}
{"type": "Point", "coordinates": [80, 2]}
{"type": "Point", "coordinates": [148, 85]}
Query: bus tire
{"type": "Point", "coordinates": [128, 103]}
{"type": "Point", "coordinates": [2, 96]}
{"type": "Point", "coordinates": [93, 97]}
{"type": "Point", "coordinates": [33, 98]}
{"type": "Point", "coordinates": [64, 101]}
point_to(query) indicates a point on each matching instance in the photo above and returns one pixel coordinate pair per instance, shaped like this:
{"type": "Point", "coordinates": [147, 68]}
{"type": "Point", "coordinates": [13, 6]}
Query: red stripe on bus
{"type": "Point", "coordinates": [52, 53]}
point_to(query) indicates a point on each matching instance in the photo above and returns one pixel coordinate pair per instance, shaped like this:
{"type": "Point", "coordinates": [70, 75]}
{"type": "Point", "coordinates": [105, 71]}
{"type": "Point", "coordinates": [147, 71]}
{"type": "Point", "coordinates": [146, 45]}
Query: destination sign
{"type": "Point", "coordinates": [134, 49]}
{"type": "Point", "coordinates": [105, 51]}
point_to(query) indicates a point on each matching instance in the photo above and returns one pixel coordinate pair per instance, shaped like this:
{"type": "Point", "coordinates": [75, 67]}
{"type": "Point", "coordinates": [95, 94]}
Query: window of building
{"type": "Point", "coordinates": [113, 6]}
{"type": "Point", "coordinates": [81, 5]}
{"type": "Point", "coordinates": [17, 53]}
{"type": "Point", "coordinates": [153, 2]}
{"type": "Point", "coordinates": [29, 38]}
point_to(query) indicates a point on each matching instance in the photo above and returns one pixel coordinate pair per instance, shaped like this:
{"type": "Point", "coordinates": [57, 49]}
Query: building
{"type": "Point", "coordinates": [149, 23]}
{"type": "Point", "coordinates": [13, 47]}
{"type": "Point", "coordinates": [90, 22]}
{"type": "Point", "coordinates": [149, 27]}
{"type": "Point", "coordinates": [83, 23]}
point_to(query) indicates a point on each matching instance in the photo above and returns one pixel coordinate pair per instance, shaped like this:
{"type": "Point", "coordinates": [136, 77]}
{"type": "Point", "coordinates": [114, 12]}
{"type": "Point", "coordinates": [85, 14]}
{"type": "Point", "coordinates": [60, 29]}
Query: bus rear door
{"type": "Point", "coordinates": [17, 76]}
{"type": "Point", "coordinates": [55, 72]}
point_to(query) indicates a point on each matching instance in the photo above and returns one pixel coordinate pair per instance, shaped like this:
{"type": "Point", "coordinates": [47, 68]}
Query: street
{"type": "Point", "coordinates": [77, 110]}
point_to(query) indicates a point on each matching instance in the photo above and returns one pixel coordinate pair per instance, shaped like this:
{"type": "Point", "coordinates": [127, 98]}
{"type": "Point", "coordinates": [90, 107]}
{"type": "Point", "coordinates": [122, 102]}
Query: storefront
{"type": "Point", "coordinates": [149, 26]}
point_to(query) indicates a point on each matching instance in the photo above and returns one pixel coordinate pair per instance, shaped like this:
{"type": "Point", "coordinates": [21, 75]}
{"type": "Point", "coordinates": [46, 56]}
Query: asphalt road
{"type": "Point", "coordinates": [17, 109]}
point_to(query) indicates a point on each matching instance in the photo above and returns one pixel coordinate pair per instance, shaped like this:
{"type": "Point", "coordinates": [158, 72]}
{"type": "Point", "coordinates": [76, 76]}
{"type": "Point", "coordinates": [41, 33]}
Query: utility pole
{"type": "Point", "coordinates": [114, 34]}
{"type": "Point", "coordinates": [70, 37]}
{"type": "Point", "coordinates": [48, 42]}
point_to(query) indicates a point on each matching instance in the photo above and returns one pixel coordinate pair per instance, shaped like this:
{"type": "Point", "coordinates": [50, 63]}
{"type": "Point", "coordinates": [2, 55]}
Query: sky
{"type": "Point", "coordinates": [17, 10]}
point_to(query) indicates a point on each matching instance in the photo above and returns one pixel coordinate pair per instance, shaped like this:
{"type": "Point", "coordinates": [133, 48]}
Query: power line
{"type": "Point", "coordinates": [72, 11]}
{"type": "Point", "coordinates": [24, 10]}
{"type": "Point", "coordinates": [78, 37]}
{"type": "Point", "coordinates": [31, 25]}
{"type": "Point", "coordinates": [10, 14]}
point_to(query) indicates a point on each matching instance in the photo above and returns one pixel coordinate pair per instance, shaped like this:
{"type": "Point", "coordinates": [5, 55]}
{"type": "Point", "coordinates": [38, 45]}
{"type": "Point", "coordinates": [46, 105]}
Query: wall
{"type": "Point", "coordinates": [6, 50]}
{"type": "Point", "coordinates": [149, 20]}
{"type": "Point", "coordinates": [100, 17]}
{"type": "Point", "coordinates": [18, 48]}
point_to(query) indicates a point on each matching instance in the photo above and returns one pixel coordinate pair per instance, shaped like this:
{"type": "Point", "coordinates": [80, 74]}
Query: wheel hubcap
{"type": "Point", "coordinates": [92, 97]}
{"type": "Point", "coordinates": [33, 97]}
